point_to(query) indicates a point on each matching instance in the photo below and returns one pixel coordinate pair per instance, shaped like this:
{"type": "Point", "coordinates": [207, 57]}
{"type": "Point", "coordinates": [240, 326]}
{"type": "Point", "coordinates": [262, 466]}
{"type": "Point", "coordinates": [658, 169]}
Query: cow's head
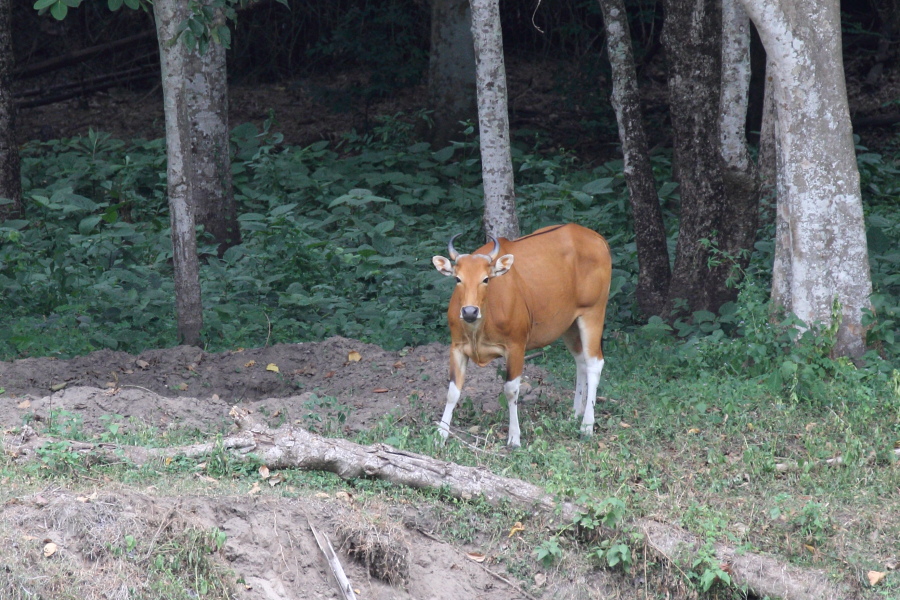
{"type": "Point", "coordinates": [472, 273]}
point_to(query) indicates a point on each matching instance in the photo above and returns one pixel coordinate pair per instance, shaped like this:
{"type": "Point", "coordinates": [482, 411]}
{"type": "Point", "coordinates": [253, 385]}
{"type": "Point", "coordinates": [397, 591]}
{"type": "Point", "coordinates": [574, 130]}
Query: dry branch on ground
{"type": "Point", "coordinates": [293, 447]}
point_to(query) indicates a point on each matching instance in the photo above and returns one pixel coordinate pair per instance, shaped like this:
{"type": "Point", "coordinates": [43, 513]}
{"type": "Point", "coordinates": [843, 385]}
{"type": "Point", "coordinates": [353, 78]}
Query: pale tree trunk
{"type": "Point", "coordinates": [451, 70]}
{"type": "Point", "coordinates": [649, 231]}
{"type": "Point", "coordinates": [173, 58]}
{"type": "Point", "coordinates": [500, 218]}
{"type": "Point", "coordinates": [741, 208]}
{"type": "Point", "coordinates": [10, 173]}
{"type": "Point", "coordinates": [768, 141]}
{"type": "Point", "coordinates": [206, 95]}
{"type": "Point", "coordinates": [820, 199]}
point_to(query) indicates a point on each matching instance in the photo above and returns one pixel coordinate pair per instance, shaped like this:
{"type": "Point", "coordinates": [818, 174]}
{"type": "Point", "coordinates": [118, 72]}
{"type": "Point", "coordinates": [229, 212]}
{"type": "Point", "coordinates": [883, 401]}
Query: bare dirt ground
{"type": "Point", "coordinates": [269, 544]}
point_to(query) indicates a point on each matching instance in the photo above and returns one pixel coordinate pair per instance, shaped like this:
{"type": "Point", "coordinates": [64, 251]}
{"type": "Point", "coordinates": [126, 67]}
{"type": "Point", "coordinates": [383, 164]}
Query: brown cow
{"type": "Point", "coordinates": [513, 296]}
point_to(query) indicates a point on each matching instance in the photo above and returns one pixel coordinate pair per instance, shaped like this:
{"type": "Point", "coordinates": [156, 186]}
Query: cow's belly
{"type": "Point", "coordinates": [547, 332]}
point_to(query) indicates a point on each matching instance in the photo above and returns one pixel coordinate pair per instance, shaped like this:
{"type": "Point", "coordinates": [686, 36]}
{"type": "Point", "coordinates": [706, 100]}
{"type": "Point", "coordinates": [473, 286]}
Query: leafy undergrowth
{"type": "Point", "coordinates": [721, 424]}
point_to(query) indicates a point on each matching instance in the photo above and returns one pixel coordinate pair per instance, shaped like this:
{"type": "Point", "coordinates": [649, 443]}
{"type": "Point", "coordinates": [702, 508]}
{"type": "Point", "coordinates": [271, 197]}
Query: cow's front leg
{"type": "Point", "coordinates": [458, 362]}
{"type": "Point", "coordinates": [515, 363]}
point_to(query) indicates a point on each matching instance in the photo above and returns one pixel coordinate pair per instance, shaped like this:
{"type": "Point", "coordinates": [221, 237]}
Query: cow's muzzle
{"type": "Point", "coordinates": [470, 314]}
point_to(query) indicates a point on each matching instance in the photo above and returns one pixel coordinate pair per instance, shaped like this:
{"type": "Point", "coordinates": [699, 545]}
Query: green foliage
{"type": "Point", "coordinates": [58, 459]}
{"type": "Point", "coordinates": [181, 564]}
{"type": "Point", "coordinates": [549, 551]}
{"type": "Point", "coordinates": [385, 39]}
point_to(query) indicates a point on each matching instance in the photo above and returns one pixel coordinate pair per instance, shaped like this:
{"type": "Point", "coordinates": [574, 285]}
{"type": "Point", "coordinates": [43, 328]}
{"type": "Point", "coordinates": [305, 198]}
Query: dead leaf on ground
{"type": "Point", "coordinates": [49, 549]}
{"type": "Point", "coordinates": [540, 579]}
{"type": "Point", "coordinates": [516, 529]}
{"type": "Point", "coordinates": [624, 425]}
{"type": "Point", "coordinates": [249, 363]}
{"type": "Point", "coordinates": [57, 386]}
{"type": "Point", "coordinates": [272, 367]}
{"type": "Point", "coordinates": [354, 356]}
{"type": "Point", "coordinates": [254, 489]}
{"type": "Point", "coordinates": [380, 390]}
{"type": "Point", "coordinates": [264, 471]}
{"type": "Point", "coordinates": [24, 404]}
{"type": "Point", "coordinates": [693, 431]}
{"type": "Point", "coordinates": [275, 480]}
{"type": "Point", "coordinates": [143, 364]}
{"type": "Point", "coordinates": [476, 557]}
{"type": "Point", "coordinates": [875, 577]}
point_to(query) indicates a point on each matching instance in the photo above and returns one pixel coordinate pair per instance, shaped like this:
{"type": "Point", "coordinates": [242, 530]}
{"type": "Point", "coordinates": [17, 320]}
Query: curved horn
{"type": "Point", "coordinates": [496, 249]}
{"type": "Point", "coordinates": [453, 253]}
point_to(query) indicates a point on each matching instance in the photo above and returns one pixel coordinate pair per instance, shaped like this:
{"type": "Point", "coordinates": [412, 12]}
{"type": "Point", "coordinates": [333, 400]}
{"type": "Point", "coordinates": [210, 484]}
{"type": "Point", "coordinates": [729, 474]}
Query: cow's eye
{"type": "Point", "coordinates": [485, 280]}
{"type": "Point", "coordinates": [458, 280]}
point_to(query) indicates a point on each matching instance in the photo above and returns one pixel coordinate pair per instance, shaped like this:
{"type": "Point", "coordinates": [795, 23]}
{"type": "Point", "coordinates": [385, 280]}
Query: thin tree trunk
{"type": "Point", "coordinates": [740, 216]}
{"type": "Point", "coordinates": [768, 148]}
{"type": "Point", "coordinates": [500, 218]}
{"type": "Point", "coordinates": [649, 231]}
{"type": "Point", "coordinates": [206, 95]}
{"type": "Point", "coordinates": [451, 70]}
{"type": "Point", "coordinates": [10, 173]}
{"type": "Point", "coordinates": [173, 57]}
{"type": "Point", "coordinates": [820, 199]}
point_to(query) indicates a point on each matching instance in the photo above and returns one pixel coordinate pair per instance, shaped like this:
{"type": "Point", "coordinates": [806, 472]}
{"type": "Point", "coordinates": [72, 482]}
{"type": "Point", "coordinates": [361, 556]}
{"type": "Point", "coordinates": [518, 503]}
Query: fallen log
{"type": "Point", "coordinates": [293, 447]}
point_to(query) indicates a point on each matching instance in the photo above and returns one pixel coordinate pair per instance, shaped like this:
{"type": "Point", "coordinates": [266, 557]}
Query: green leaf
{"type": "Point", "coordinates": [114, 5]}
{"type": "Point", "coordinates": [223, 33]}
{"type": "Point", "coordinates": [42, 4]}
{"type": "Point", "coordinates": [444, 154]}
{"type": "Point", "coordinates": [87, 224]}
{"type": "Point", "coordinates": [59, 11]}
{"type": "Point", "coordinates": [133, 4]}
{"type": "Point", "coordinates": [384, 227]}
{"type": "Point", "coordinates": [598, 186]}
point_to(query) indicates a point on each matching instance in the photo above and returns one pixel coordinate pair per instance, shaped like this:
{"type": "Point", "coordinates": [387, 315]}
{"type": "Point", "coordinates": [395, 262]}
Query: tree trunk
{"type": "Point", "coordinates": [206, 95]}
{"type": "Point", "coordinates": [692, 33]}
{"type": "Point", "coordinates": [825, 252]}
{"type": "Point", "coordinates": [650, 235]}
{"type": "Point", "coordinates": [451, 70]}
{"type": "Point", "coordinates": [767, 165]}
{"type": "Point", "coordinates": [10, 173]}
{"type": "Point", "coordinates": [500, 218]}
{"type": "Point", "coordinates": [740, 217]}
{"type": "Point", "coordinates": [173, 58]}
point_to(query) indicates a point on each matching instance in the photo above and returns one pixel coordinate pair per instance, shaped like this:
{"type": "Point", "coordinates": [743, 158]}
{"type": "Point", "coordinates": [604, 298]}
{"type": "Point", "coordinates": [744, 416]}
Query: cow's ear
{"type": "Point", "coordinates": [443, 265]}
{"type": "Point", "coordinates": [502, 265]}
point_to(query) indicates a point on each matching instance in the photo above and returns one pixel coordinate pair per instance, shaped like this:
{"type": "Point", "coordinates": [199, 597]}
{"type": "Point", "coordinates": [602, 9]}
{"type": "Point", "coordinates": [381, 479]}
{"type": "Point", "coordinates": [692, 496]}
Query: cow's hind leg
{"type": "Point", "coordinates": [590, 327]}
{"type": "Point", "coordinates": [572, 338]}
{"type": "Point", "coordinates": [458, 362]}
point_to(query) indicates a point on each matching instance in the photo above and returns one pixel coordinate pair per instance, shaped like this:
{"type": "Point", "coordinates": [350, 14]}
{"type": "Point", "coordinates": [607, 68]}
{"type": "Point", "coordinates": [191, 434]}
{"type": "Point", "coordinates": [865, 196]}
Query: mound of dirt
{"type": "Point", "coordinates": [102, 545]}
{"type": "Point", "coordinates": [313, 381]}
